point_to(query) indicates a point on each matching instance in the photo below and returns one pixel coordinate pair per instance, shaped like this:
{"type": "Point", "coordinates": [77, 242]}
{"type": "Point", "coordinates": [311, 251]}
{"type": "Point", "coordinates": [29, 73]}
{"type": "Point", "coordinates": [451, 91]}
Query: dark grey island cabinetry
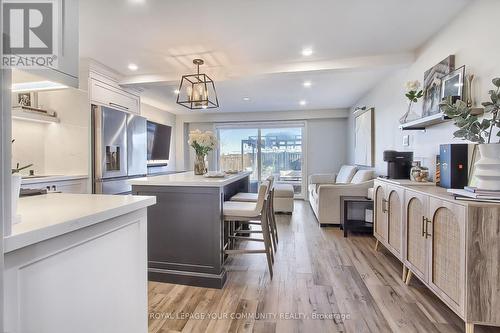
{"type": "Point", "coordinates": [185, 227]}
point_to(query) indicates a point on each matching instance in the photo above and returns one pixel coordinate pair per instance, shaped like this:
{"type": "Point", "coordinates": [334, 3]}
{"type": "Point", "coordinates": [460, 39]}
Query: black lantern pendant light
{"type": "Point", "coordinates": [197, 91]}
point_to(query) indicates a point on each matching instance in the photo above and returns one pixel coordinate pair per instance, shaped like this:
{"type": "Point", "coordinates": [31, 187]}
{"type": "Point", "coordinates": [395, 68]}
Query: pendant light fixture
{"type": "Point", "coordinates": [197, 91]}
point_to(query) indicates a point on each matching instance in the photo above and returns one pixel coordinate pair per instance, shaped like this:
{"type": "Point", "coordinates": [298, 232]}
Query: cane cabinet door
{"type": "Point", "coordinates": [380, 228]}
{"type": "Point", "coordinates": [395, 197]}
{"type": "Point", "coordinates": [446, 234]}
{"type": "Point", "coordinates": [416, 206]}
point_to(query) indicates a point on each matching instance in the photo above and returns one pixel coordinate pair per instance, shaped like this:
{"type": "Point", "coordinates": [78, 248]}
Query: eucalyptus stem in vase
{"type": "Point", "coordinates": [202, 143]}
{"type": "Point", "coordinates": [479, 130]}
{"type": "Point", "coordinates": [413, 94]}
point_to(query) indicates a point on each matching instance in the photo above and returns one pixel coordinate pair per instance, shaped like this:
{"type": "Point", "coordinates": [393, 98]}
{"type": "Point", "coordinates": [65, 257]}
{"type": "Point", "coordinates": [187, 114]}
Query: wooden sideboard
{"type": "Point", "coordinates": [452, 246]}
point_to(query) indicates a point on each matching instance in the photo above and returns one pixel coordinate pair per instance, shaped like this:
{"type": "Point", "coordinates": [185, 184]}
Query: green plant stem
{"type": "Point", "coordinates": [493, 122]}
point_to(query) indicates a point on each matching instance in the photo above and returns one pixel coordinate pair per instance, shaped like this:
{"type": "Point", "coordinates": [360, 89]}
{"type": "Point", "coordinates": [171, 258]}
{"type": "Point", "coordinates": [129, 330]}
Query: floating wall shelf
{"type": "Point", "coordinates": [423, 123]}
{"type": "Point", "coordinates": [34, 116]}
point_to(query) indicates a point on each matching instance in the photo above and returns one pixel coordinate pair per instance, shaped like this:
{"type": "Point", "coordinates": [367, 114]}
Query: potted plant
{"type": "Point", "coordinates": [480, 131]}
{"type": "Point", "coordinates": [413, 94]}
{"type": "Point", "coordinates": [202, 143]}
{"type": "Point", "coordinates": [16, 187]}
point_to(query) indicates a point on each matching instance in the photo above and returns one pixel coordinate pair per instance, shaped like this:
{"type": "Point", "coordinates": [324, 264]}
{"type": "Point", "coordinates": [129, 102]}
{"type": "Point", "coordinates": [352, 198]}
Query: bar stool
{"type": "Point", "coordinates": [249, 213]}
{"type": "Point", "coordinates": [252, 197]}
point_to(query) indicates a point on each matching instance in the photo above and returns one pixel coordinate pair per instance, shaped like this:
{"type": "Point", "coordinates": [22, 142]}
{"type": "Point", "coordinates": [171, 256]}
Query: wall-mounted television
{"type": "Point", "coordinates": [158, 141]}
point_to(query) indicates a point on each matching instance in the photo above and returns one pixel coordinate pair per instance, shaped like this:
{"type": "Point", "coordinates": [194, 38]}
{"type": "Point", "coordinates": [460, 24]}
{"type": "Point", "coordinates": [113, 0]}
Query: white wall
{"type": "Point", "coordinates": [469, 38]}
{"type": "Point", "coordinates": [56, 148]}
{"type": "Point", "coordinates": [166, 118]}
{"type": "Point", "coordinates": [327, 141]}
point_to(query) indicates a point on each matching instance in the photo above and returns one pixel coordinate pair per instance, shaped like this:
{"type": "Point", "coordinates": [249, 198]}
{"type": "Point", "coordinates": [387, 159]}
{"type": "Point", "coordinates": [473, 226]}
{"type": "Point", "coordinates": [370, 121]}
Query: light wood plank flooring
{"type": "Point", "coordinates": [322, 282]}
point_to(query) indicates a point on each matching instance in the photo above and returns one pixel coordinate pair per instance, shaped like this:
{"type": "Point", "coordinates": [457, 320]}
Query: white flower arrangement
{"type": "Point", "coordinates": [202, 142]}
{"type": "Point", "coordinates": [412, 91]}
{"type": "Point", "coordinates": [412, 85]}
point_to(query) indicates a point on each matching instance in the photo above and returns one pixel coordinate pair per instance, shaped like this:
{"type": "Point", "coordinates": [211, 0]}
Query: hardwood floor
{"type": "Point", "coordinates": [322, 282]}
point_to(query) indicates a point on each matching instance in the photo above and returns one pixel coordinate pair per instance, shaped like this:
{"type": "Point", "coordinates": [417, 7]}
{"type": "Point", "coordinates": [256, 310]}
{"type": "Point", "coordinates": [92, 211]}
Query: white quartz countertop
{"type": "Point", "coordinates": [188, 179]}
{"type": "Point", "coordinates": [50, 178]}
{"type": "Point", "coordinates": [51, 215]}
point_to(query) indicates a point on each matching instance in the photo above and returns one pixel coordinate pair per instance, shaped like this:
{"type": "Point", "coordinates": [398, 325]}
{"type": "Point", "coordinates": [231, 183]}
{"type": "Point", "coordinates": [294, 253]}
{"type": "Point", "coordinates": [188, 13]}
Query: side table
{"type": "Point", "coordinates": [348, 220]}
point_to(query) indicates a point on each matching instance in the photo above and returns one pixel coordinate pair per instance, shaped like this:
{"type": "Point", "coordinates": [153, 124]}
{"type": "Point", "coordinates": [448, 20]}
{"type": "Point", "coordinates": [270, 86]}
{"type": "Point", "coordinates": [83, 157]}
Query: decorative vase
{"type": "Point", "coordinates": [200, 164]}
{"type": "Point", "coordinates": [488, 167]}
{"type": "Point", "coordinates": [16, 190]}
{"type": "Point", "coordinates": [404, 119]}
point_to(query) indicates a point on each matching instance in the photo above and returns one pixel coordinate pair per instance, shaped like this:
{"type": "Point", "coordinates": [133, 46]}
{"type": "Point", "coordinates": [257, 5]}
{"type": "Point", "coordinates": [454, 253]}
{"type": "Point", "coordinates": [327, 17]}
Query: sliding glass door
{"type": "Point", "coordinates": [238, 150]}
{"type": "Point", "coordinates": [265, 150]}
{"type": "Point", "coordinates": [281, 156]}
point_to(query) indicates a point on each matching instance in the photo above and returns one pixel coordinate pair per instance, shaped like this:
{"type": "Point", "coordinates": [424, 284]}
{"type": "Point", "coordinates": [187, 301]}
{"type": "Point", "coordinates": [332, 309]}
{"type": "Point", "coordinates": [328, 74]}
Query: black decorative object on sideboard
{"type": "Point", "coordinates": [398, 164]}
{"type": "Point", "coordinates": [453, 165]}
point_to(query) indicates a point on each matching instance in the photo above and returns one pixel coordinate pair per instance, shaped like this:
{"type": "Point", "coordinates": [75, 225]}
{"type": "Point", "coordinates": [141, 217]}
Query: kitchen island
{"type": "Point", "coordinates": [185, 228]}
{"type": "Point", "coordinates": [77, 262]}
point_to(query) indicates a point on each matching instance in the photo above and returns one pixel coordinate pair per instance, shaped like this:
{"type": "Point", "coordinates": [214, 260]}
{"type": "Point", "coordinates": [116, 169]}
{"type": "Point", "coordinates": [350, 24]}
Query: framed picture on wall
{"type": "Point", "coordinates": [364, 137]}
{"type": "Point", "coordinates": [433, 79]}
{"type": "Point", "coordinates": [28, 99]}
{"type": "Point", "coordinates": [453, 85]}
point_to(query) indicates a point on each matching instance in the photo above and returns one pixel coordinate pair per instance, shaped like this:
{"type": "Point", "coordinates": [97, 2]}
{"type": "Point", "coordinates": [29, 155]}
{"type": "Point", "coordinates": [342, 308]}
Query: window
{"type": "Point", "coordinates": [265, 150]}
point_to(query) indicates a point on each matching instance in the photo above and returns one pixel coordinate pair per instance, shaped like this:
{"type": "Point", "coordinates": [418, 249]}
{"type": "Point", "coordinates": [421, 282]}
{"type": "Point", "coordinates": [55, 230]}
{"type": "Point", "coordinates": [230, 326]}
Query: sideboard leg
{"type": "Point", "coordinates": [408, 277]}
{"type": "Point", "coordinates": [405, 273]}
{"type": "Point", "coordinates": [469, 328]}
{"type": "Point", "coordinates": [377, 245]}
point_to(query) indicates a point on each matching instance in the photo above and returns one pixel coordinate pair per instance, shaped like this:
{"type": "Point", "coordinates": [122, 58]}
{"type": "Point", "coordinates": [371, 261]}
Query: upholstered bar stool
{"type": "Point", "coordinates": [250, 213]}
{"type": "Point", "coordinates": [252, 197]}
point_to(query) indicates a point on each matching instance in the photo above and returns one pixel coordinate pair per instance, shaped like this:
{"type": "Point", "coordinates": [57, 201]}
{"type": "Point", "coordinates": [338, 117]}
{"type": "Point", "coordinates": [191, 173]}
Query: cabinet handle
{"type": "Point", "coordinates": [427, 227]}
{"type": "Point", "coordinates": [423, 226]}
{"type": "Point", "coordinates": [384, 204]}
{"type": "Point", "coordinates": [118, 105]}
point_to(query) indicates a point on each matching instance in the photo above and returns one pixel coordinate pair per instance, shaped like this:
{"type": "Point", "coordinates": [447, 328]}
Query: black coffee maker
{"type": "Point", "coordinates": [398, 164]}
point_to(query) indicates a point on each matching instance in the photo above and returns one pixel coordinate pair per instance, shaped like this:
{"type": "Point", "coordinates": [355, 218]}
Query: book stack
{"type": "Point", "coordinates": [475, 194]}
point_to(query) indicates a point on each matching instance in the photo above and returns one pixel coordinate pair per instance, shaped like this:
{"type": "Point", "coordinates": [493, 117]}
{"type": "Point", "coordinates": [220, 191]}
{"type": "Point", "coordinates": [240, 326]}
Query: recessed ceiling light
{"type": "Point", "coordinates": [138, 2]}
{"type": "Point", "coordinates": [133, 67]}
{"type": "Point", "coordinates": [306, 52]}
{"type": "Point", "coordinates": [307, 84]}
{"type": "Point", "coordinates": [177, 91]}
{"type": "Point", "coordinates": [303, 102]}
{"type": "Point", "coordinates": [246, 99]}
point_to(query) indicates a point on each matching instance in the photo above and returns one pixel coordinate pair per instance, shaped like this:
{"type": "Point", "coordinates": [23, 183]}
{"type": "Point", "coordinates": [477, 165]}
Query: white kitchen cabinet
{"type": "Point", "coordinates": [66, 71]}
{"type": "Point", "coordinates": [72, 260]}
{"type": "Point", "coordinates": [64, 186]}
{"type": "Point", "coordinates": [108, 93]}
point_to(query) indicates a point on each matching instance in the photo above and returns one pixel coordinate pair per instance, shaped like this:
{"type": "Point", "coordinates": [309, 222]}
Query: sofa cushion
{"type": "Point", "coordinates": [362, 176]}
{"type": "Point", "coordinates": [345, 174]}
{"type": "Point", "coordinates": [283, 191]}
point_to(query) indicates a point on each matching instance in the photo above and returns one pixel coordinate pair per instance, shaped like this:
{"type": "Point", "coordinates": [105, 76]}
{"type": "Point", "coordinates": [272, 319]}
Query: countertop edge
{"type": "Point", "coordinates": [231, 179]}
{"type": "Point", "coordinates": [16, 242]}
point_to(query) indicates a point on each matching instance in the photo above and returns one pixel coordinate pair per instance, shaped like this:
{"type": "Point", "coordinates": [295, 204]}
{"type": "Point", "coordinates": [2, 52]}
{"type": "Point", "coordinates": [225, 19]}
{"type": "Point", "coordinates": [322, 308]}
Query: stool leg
{"type": "Point", "coordinates": [273, 217]}
{"type": "Point", "coordinates": [271, 229]}
{"type": "Point", "coordinates": [267, 242]}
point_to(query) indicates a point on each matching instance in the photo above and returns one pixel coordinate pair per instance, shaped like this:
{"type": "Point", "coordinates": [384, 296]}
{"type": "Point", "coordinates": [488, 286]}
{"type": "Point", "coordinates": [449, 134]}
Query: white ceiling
{"type": "Point", "coordinates": [252, 48]}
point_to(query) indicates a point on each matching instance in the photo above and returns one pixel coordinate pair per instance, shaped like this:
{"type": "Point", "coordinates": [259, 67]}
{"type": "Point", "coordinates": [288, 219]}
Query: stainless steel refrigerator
{"type": "Point", "coordinates": [119, 143]}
